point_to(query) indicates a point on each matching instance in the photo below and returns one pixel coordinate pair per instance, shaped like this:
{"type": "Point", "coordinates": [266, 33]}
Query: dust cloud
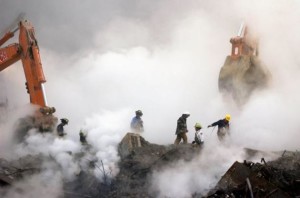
{"type": "Point", "coordinates": [105, 60]}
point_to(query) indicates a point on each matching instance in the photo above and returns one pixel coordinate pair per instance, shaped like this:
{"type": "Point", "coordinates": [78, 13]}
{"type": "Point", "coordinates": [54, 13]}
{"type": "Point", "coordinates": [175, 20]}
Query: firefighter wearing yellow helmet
{"type": "Point", "coordinates": [223, 126]}
{"type": "Point", "coordinates": [199, 137]}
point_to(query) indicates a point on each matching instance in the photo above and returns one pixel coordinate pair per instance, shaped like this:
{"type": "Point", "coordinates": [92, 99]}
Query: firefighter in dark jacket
{"type": "Point", "coordinates": [82, 137]}
{"type": "Point", "coordinates": [181, 129]}
{"type": "Point", "coordinates": [60, 128]}
{"type": "Point", "coordinates": [223, 127]}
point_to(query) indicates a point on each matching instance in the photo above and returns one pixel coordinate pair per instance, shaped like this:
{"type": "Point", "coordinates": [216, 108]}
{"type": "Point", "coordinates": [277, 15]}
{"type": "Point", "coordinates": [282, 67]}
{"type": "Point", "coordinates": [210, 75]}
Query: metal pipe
{"type": "Point", "coordinates": [44, 94]}
{"type": "Point", "coordinates": [241, 30]}
{"type": "Point", "coordinates": [249, 187]}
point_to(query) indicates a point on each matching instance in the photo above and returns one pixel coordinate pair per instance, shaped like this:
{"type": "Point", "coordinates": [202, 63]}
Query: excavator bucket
{"type": "Point", "coordinates": [242, 72]}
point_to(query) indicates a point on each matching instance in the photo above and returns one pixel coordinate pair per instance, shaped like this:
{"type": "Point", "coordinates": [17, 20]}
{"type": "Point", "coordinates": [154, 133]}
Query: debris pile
{"type": "Point", "coordinates": [278, 178]}
{"type": "Point", "coordinates": [85, 184]}
{"type": "Point", "coordinates": [139, 159]}
{"type": "Point", "coordinates": [15, 170]}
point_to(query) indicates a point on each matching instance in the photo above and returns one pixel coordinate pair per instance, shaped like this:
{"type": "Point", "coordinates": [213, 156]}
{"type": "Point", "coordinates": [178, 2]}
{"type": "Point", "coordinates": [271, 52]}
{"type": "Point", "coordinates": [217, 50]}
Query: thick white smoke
{"type": "Point", "coordinates": [198, 175]}
{"type": "Point", "coordinates": [269, 120]}
{"type": "Point", "coordinates": [48, 185]}
{"type": "Point", "coordinates": [102, 67]}
{"type": "Point", "coordinates": [61, 155]}
{"type": "Point", "coordinates": [104, 132]}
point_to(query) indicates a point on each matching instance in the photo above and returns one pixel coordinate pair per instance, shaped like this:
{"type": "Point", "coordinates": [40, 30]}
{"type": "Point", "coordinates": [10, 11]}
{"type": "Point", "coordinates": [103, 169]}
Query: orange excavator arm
{"type": "Point", "coordinates": [27, 51]}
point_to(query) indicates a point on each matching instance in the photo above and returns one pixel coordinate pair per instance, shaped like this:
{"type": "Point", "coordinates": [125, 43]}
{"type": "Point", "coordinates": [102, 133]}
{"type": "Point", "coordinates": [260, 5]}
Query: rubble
{"type": "Point", "coordinates": [139, 159]}
{"type": "Point", "coordinates": [137, 166]}
{"type": "Point", "coordinates": [128, 143]}
{"type": "Point", "coordinates": [11, 171]}
{"type": "Point", "coordinates": [278, 178]}
{"type": "Point", "coordinates": [5, 180]}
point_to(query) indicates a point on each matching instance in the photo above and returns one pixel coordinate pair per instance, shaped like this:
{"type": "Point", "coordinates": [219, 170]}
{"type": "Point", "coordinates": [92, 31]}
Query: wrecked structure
{"type": "Point", "coordinates": [278, 178]}
{"type": "Point", "coordinates": [138, 160]}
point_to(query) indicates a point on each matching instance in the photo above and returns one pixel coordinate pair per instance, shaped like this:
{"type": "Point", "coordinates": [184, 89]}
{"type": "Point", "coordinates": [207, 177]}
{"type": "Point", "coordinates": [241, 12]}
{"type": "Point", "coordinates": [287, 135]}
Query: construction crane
{"type": "Point", "coordinates": [27, 50]}
{"type": "Point", "coordinates": [243, 72]}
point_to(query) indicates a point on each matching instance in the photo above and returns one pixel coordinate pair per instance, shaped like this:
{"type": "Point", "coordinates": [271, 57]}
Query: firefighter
{"type": "Point", "coordinates": [82, 137]}
{"type": "Point", "coordinates": [181, 129]}
{"type": "Point", "coordinates": [199, 137]}
{"type": "Point", "coordinates": [223, 127]}
{"type": "Point", "coordinates": [60, 128]}
{"type": "Point", "coordinates": [137, 124]}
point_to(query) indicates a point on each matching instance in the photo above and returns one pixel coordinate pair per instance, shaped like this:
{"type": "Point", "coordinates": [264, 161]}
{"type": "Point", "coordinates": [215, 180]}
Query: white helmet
{"type": "Point", "coordinates": [186, 113]}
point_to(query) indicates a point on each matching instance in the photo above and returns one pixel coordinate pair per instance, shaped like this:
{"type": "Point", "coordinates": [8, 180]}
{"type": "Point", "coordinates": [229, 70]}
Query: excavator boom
{"type": "Point", "coordinates": [8, 36]}
{"type": "Point", "coordinates": [27, 51]}
{"type": "Point", "coordinates": [9, 55]}
{"type": "Point", "coordinates": [32, 64]}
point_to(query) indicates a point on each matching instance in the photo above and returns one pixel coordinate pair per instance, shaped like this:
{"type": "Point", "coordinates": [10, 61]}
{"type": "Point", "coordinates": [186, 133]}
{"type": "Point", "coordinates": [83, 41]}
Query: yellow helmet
{"type": "Point", "coordinates": [186, 113]}
{"type": "Point", "coordinates": [227, 117]}
{"type": "Point", "coordinates": [198, 125]}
